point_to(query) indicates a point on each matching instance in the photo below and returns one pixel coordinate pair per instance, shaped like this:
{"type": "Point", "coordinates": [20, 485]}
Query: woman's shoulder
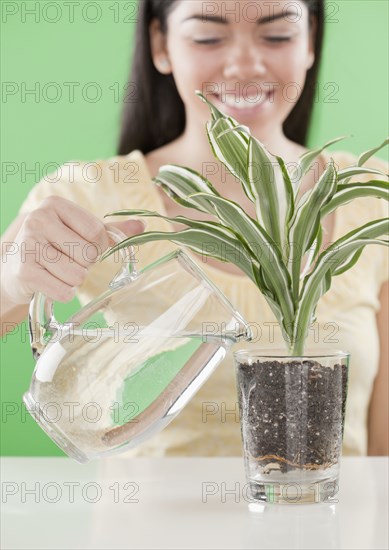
{"type": "Point", "coordinates": [96, 185]}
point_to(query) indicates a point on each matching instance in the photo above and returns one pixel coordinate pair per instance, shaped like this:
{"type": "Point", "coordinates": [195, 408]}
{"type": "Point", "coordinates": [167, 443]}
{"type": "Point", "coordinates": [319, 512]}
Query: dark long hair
{"type": "Point", "coordinates": [156, 116]}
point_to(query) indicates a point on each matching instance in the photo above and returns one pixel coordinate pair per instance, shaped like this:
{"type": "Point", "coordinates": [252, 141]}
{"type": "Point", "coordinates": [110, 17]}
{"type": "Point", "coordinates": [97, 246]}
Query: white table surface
{"type": "Point", "coordinates": [180, 503]}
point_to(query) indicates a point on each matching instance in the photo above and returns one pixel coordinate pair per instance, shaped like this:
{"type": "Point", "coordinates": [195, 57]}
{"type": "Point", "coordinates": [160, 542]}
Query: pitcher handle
{"type": "Point", "coordinates": [41, 319]}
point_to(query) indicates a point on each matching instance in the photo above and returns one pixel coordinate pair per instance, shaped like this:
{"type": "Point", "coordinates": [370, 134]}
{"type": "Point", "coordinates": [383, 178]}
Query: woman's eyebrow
{"type": "Point", "coordinates": [224, 21]}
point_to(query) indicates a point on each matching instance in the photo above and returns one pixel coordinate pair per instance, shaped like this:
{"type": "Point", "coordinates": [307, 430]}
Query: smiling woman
{"type": "Point", "coordinates": [257, 61]}
{"type": "Point", "coordinates": [220, 48]}
{"type": "Point", "coordinates": [237, 57]}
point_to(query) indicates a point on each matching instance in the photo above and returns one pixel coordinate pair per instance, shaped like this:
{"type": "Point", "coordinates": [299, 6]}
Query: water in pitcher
{"type": "Point", "coordinates": [106, 388]}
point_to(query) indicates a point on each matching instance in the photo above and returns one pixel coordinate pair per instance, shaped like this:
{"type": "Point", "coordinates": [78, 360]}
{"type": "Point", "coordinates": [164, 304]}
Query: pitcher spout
{"type": "Point", "coordinates": [245, 334]}
{"type": "Point", "coordinates": [228, 333]}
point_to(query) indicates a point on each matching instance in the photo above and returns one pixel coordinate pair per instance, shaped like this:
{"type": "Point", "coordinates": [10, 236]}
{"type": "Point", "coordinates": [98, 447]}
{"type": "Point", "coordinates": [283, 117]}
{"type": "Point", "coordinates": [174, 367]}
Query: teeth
{"type": "Point", "coordinates": [242, 102]}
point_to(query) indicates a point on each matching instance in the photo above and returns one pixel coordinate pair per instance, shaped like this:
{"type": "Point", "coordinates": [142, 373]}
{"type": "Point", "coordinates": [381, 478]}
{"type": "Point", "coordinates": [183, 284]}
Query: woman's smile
{"type": "Point", "coordinates": [241, 105]}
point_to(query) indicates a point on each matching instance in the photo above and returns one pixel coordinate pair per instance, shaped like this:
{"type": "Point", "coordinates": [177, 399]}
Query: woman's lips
{"type": "Point", "coordinates": [242, 106]}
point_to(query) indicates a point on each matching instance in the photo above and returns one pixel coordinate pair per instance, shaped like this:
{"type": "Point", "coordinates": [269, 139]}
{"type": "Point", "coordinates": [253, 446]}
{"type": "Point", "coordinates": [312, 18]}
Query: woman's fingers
{"type": "Point", "coordinates": [79, 220]}
{"type": "Point", "coordinates": [45, 230]}
{"type": "Point", "coordinates": [61, 266]}
{"type": "Point", "coordinates": [72, 246]}
{"type": "Point", "coordinates": [53, 288]}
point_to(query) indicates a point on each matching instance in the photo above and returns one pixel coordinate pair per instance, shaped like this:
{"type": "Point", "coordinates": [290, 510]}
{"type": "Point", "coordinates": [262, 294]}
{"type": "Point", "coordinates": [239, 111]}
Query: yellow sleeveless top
{"type": "Point", "coordinates": [346, 315]}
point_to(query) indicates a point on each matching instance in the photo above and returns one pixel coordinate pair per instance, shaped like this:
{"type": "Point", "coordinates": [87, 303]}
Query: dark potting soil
{"type": "Point", "coordinates": [292, 413]}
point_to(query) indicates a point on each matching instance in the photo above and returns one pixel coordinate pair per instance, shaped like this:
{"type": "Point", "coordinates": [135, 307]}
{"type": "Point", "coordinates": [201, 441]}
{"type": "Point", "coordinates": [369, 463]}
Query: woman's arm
{"type": "Point", "coordinates": [378, 420]}
{"type": "Point", "coordinates": [10, 314]}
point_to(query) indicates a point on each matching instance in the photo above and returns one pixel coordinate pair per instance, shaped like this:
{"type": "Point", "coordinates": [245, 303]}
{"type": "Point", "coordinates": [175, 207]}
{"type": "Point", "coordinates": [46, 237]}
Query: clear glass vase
{"type": "Point", "coordinates": [292, 418]}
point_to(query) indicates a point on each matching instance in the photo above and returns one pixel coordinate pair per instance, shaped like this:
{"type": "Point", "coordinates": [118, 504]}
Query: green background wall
{"type": "Point", "coordinates": [95, 47]}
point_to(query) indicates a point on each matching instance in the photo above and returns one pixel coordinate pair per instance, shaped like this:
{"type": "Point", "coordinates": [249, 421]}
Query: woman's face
{"type": "Point", "coordinates": [249, 58]}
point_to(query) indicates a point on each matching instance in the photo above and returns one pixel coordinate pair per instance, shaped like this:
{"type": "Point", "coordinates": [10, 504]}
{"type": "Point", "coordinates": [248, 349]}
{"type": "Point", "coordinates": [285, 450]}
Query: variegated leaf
{"type": "Point", "coordinates": [364, 157]}
{"type": "Point", "coordinates": [261, 246]}
{"type": "Point", "coordinates": [229, 145]}
{"type": "Point", "coordinates": [357, 171]}
{"type": "Point", "coordinates": [331, 261]}
{"type": "Point", "coordinates": [179, 183]}
{"type": "Point", "coordinates": [305, 162]}
{"type": "Point", "coordinates": [306, 225]}
{"type": "Point", "coordinates": [205, 238]}
{"type": "Point", "coordinates": [351, 191]}
{"type": "Point", "coordinates": [263, 183]}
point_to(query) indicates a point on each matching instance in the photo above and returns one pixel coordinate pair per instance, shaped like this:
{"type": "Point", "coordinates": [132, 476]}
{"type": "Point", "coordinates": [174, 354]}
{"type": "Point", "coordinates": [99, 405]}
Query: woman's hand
{"type": "Point", "coordinates": [52, 251]}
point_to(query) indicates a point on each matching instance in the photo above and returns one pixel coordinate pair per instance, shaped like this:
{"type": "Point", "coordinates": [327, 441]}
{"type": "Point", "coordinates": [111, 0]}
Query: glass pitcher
{"type": "Point", "coordinates": [127, 363]}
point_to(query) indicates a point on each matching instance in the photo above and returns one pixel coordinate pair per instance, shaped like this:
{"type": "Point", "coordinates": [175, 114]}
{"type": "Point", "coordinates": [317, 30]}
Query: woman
{"type": "Point", "coordinates": [246, 57]}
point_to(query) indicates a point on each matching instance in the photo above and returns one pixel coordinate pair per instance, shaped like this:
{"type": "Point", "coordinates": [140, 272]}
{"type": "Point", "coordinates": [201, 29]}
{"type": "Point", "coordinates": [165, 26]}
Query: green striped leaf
{"type": "Point", "coordinates": [261, 247]}
{"type": "Point", "coordinates": [214, 110]}
{"type": "Point", "coordinates": [341, 260]}
{"type": "Point", "coordinates": [335, 252]}
{"type": "Point", "coordinates": [306, 160]}
{"type": "Point", "coordinates": [345, 266]}
{"type": "Point", "coordinates": [313, 252]}
{"type": "Point", "coordinates": [179, 183]}
{"type": "Point", "coordinates": [306, 224]}
{"type": "Point", "coordinates": [216, 245]}
{"type": "Point", "coordinates": [263, 183]}
{"type": "Point", "coordinates": [229, 241]}
{"type": "Point", "coordinates": [289, 205]}
{"type": "Point", "coordinates": [351, 191]}
{"type": "Point", "coordinates": [356, 171]}
{"type": "Point", "coordinates": [351, 261]}
{"type": "Point", "coordinates": [364, 157]}
{"type": "Point", "coordinates": [333, 260]}
{"type": "Point", "coordinates": [288, 189]}
{"type": "Point", "coordinates": [229, 145]}
{"type": "Point", "coordinates": [271, 185]}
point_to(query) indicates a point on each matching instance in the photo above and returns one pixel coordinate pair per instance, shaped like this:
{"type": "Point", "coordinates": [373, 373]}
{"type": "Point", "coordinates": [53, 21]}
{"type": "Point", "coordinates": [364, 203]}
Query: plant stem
{"type": "Point", "coordinates": [296, 348]}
